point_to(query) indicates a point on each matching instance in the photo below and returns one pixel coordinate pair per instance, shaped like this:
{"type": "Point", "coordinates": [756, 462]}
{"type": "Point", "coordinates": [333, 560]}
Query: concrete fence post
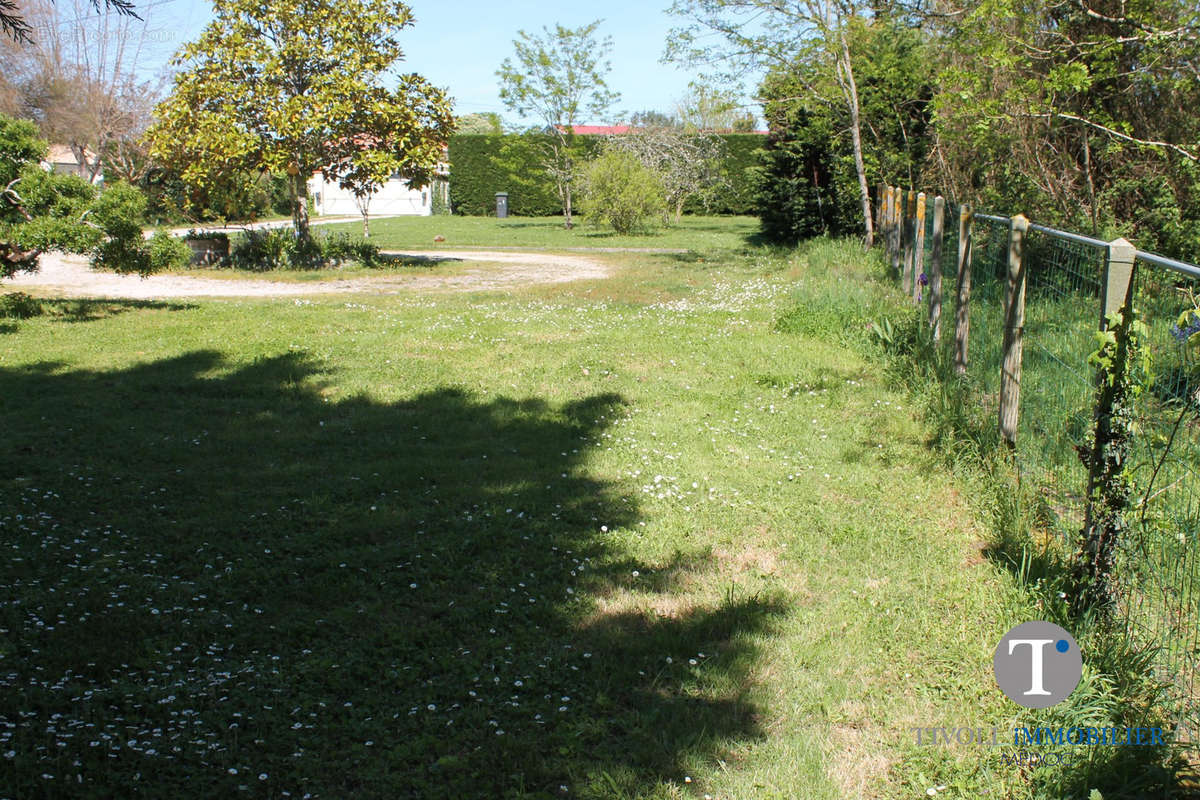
{"type": "Point", "coordinates": [1014, 325]}
{"type": "Point", "coordinates": [1118, 272]}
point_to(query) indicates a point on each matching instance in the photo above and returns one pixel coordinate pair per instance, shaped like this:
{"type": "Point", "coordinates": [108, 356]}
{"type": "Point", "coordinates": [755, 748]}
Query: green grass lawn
{"type": "Point", "coordinates": [668, 535]}
{"type": "Point", "coordinates": [417, 233]}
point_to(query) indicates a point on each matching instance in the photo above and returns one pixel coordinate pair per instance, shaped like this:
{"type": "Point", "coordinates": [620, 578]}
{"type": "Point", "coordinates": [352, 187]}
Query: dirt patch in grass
{"type": "Point", "coordinates": [70, 275]}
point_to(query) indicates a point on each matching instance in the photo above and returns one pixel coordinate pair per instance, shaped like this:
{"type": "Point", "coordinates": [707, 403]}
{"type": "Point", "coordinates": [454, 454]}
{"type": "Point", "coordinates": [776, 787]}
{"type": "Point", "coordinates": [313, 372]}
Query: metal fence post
{"type": "Point", "coordinates": [918, 248]}
{"type": "Point", "coordinates": [962, 308]}
{"type": "Point", "coordinates": [906, 237]}
{"type": "Point", "coordinates": [1014, 323]}
{"type": "Point", "coordinates": [935, 268]}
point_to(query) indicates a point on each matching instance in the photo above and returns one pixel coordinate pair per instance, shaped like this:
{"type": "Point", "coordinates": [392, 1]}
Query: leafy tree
{"type": "Point", "coordinates": [41, 211]}
{"type": "Point", "coordinates": [365, 174]}
{"type": "Point", "coordinates": [483, 124]}
{"type": "Point", "coordinates": [779, 33]}
{"type": "Point", "coordinates": [293, 87]}
{"type": "Point", "coordinates": [555, 78]}
{"type": "Point", "coordinates": [654, 119]}
{"type": "Point", "coordinates": [621, 192]}
{"type": "Point", "coordinates": [708, 108]}
{"type": "Point", "coordinates": [1083, 113]}
{"type": "Point", "coordinates": [810, 184]}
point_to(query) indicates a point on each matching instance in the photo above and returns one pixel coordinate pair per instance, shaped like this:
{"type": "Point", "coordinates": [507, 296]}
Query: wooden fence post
{"type": "Point", "coordinates": [897, 227]}
{"type": "Point", "coordinates": [919, 249]}
{"type": "Point", "coordinates": [888, 222]}
{"type": "Point", "coordinates": [1014, 323]}
{"type": "Point", "coordinates": [935, 268]}
{"type": "Point", "coordinates": [906, 238]}
{"type": "Point", "coordinates": [962, 308]}
{"type": "Point", "coordinates": [879, 215]}
{"type": "Point", "coordinates": [885, 228]}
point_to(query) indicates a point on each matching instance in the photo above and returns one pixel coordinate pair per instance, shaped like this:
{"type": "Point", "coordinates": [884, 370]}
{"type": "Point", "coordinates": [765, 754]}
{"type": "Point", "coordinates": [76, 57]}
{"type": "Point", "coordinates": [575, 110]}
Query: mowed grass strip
{"type": "Point", "coordinates": [627, 538]}
{"type": "Point", "coordinates": [417, 233]}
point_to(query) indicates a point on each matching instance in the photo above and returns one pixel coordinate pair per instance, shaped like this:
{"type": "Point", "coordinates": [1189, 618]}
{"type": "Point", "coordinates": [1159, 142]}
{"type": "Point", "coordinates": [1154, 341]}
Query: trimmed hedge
{"type": "Point", "coordinates": [481, 165]}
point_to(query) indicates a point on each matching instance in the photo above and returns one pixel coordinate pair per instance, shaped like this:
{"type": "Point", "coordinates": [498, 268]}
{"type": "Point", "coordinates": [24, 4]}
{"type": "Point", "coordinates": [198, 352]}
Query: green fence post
{"type": "Point", "coordinates": [1014, 325]}
{"type": "Point", "coordinates": [935, 268]}
{"type": "Point", "coordinates": [962, 308]}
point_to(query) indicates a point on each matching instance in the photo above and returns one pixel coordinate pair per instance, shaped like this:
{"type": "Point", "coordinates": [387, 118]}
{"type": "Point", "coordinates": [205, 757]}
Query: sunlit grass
{"type": "Point", "coordinates": [664, 535]}
{"type": "Point", "coordinates": [417, 233]}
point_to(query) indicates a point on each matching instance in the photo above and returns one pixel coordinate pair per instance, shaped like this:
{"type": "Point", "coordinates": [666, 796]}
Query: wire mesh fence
{"type": "Point", "coordinates": [1157, 571]}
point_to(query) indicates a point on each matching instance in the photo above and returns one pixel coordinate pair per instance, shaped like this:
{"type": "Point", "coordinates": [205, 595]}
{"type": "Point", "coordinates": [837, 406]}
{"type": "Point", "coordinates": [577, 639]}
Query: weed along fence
{"type": "Point", "coordinates": [1086, 354]}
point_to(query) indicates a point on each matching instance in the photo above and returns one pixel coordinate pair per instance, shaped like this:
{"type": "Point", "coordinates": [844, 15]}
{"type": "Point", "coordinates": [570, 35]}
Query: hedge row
{"type": "Point", "coordinates": [482, 165]}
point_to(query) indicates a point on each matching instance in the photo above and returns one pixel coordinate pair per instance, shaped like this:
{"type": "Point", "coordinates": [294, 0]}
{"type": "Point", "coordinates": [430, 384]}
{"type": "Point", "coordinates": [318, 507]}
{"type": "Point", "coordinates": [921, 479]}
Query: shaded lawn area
{"type": "Point", "coordinates": [602, 540]}
{"type": "Point", "coordinates": [416, 233]}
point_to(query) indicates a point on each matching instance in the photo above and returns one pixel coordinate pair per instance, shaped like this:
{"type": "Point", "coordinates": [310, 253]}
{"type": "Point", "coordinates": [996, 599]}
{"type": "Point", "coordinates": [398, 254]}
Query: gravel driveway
{"type": "Point", "coordinates": [70, 275]}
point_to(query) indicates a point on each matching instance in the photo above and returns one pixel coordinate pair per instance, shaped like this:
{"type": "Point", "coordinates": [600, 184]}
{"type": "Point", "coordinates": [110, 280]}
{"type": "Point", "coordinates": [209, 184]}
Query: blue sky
{"type": "Point", "coordinates": [459, 44]}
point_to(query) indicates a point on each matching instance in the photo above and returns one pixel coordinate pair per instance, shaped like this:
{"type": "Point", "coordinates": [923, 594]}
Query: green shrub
{"type": "Point", "coordinates": [261, 250]}
{"type": "Point", "coordinates": [168, 252]}
{"type": "Point", "coordinates": [341, 248]}
{"type": "Point", "coordinates": [278, 248]}
{"type": "Point", "coordinates": [618, 191]}
{"type": "Point", "coordinates": [120, 211]}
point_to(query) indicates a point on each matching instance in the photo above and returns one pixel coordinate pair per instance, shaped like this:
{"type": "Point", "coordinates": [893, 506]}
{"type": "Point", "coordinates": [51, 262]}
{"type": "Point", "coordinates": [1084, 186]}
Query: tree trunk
{"type": "Point", "coordinates": [366, 226]}
{"type": "Point", "coordinates": [850, 88]}
{"type": "Point", "coordinates": [299, 187]}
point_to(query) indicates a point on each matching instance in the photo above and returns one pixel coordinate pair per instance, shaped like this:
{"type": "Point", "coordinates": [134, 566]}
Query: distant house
{"type": "Point", "coordinates": [394, 197]}
{"type": "Point", "coordinates": [61, 159]}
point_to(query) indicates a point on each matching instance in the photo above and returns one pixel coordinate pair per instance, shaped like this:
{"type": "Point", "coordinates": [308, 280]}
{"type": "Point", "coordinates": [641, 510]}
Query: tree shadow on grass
{"type": "Point", "coordinates": [217, 582]}
{"type": "Point", "coordinates": [393, 260]}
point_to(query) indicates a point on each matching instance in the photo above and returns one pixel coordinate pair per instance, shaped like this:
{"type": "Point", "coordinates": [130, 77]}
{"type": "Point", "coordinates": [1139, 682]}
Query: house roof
{"type": "Point", "coordinates": [602, 130]}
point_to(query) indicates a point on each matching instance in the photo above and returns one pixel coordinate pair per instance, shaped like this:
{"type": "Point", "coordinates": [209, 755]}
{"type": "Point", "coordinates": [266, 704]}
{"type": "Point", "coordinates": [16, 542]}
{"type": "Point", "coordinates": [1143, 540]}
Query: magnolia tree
{"type": "Point", "coordinates": [295, 87]}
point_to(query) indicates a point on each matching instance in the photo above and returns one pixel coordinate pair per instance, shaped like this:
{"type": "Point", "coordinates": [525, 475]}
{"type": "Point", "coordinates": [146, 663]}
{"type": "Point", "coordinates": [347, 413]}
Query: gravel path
{"type": "Point", "coordinates": [70, 275]}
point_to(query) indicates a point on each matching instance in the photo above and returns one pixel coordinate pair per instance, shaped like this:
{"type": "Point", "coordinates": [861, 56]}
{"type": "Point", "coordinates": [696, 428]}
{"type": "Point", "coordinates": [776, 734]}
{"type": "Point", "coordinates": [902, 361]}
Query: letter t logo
{"type": "Point", "coordinates": [1036, 646]}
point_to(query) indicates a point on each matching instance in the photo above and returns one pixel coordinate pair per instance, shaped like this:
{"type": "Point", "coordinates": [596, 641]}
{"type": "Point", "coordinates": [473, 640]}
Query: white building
{"type": "Point", "coordinates": [62, 159]}
{"type": "Point", "coordinates": [394, 197]}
